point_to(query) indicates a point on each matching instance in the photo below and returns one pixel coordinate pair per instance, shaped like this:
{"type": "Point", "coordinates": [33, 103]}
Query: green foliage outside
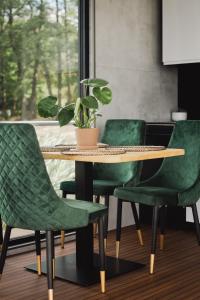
{"type": "Point", "coordinates": [38, 55]}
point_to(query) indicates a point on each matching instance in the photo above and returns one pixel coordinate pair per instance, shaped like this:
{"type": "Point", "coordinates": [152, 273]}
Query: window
{"type": "Point", "coordinates": [38, 54]}
{"type": "Point", "coordinates": [44, 50]}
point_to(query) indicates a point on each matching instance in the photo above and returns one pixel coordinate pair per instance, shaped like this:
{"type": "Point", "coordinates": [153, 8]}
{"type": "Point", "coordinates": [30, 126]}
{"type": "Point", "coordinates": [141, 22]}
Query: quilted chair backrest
{"type": "Point", "coordinates": [26, 193]}
{"type": "Point", "coordinates": [121, 132]}
{"type": "Point", "coordinates": [181, 172]}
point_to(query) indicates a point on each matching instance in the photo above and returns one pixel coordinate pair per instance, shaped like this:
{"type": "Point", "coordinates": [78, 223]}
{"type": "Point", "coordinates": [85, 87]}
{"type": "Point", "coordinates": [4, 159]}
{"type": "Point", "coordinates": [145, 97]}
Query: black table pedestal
{"type": "Point", "coordinates": [66, 269]}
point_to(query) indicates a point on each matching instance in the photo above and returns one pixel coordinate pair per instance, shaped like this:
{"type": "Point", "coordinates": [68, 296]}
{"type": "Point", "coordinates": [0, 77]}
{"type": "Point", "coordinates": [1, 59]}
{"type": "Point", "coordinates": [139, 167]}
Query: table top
{"type": "Point", "coordinates": [116, 158]}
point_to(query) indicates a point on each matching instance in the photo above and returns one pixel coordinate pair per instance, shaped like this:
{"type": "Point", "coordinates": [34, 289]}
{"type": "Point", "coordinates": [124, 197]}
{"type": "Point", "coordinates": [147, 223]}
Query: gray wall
{"type": "Point", "coordinates": [128, 55]}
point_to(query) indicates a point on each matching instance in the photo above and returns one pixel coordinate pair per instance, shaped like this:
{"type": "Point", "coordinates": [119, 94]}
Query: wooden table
{"type": "Point", "coordinates": [82, 267]}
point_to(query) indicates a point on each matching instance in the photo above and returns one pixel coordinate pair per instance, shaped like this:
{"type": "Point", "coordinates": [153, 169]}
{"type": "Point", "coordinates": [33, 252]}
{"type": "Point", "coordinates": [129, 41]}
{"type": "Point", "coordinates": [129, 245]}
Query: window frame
{"type": "Point", "coordinates": [84, 45]}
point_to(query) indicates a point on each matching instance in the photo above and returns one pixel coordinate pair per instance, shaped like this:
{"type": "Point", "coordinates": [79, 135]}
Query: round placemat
{"type": "Point", "coordinates": [74, 146]}
{"type": "Point", "coordinates": [106, 151]}
{"type": "Point", "coordinates": [138, 148]}
{"type": "Point", "coordinates": [54, 149]}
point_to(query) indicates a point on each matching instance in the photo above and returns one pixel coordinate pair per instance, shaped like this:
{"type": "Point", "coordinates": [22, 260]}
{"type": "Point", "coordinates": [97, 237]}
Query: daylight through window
{"type": "Point", "coordinates": [38, 55]}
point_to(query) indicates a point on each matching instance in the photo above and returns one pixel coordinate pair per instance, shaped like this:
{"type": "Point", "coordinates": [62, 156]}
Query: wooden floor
{"type": "Point", "coordinates": [177, 275]}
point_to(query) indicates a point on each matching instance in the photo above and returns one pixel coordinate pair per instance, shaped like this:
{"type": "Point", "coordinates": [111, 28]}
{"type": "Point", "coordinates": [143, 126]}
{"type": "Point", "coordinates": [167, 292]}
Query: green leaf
{"type": "Point", "coordinates": [90, 102]}
{"type": "Point", "coordinates": [104, 95]}
{"type": "Point", "coordinates": [97, 82]}
{"type": "Point", "coordinates": [65, 116]}
{"type": "Point", "coordinates": [47, 107]}
{"type": "Point", "coordinates": [70, 106]}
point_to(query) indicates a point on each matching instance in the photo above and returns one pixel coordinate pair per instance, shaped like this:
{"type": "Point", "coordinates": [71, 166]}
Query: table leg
{"type": "Point", "coordinates": [84, 236]}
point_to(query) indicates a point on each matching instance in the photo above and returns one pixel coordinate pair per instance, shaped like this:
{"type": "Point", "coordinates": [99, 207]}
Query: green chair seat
{"type": "Point", "coordinates": [149, 195]}
{"type": "Point", "coordinates": [100, 187]}
{"type": "Point", "coordinates": [94, 210]}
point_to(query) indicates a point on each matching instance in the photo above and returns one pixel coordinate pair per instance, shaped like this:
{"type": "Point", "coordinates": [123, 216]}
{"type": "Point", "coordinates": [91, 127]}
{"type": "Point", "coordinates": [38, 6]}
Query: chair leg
{"type": "Point", "coordinates": [53, 256]}
{"type": "Point", "coordinates": [154, 237]}
{"type": "Point", "coordinates": [62, 239]}
{"type": "Point", "coordinates": [62, 234]}
{"type": "Point", "coordinates": [1, 233]}
{"type": "Point", "coordinates": [137, 223]}
{"type": "Point", "coordinates": [102, 255]}
{"type": "Point", "coordinates": [163, 216]}
{"type": "Point", "coordinates": [38, 252]}
{"type": "Point", "coordinates": [64, 194]}
{"type": "Point", "coordinates": [196, 221]}
{"type": "Point", "coordinates": [106, 221]}
{"type": "Point", "coordinates": [49, 242]}
{"type": "Point", "coordinates": [95, 225]}
{"type": "Point", "coordinates": [119, 223]}
{"type": "Point", "coordinates": [4, 248]}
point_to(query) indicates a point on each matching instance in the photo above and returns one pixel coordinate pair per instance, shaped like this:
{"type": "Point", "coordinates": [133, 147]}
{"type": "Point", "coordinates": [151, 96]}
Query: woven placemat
{"type": "Point", "coordinates": [105, 151]}
{"type": "Point", "coordinates": [138, 148]}
{"type": "Point", "coordinates": [54, 149]}
{"type": "Point", "coordinates": [74, 146]}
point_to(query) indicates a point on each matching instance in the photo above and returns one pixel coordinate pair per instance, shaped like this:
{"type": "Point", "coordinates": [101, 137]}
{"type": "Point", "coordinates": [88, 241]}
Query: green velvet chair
{"type": "Point", "coordinates": [119, 132]}
{"type": "Point", "coordinates": [177, 183]}
{"type": "Point", "coordinates": [28, 200]}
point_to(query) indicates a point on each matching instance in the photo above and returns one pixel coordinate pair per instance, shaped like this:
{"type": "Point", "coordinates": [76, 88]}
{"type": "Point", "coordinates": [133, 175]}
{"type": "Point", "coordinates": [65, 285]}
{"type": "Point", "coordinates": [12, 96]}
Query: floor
{"type": "Point", "coordinates": [177, 272]}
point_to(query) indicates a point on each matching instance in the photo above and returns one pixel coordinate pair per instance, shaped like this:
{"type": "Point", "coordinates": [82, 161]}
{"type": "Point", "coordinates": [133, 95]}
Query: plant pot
{"type": "Point", "coordinates": [87, 138]}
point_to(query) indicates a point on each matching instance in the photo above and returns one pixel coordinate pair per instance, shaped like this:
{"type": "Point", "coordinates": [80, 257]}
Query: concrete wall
{"type": "Point", "coordinates": [128, 54]}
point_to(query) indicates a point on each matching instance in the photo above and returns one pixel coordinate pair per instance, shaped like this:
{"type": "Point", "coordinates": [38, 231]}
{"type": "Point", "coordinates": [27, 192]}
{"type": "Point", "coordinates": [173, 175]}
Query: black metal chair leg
{"type": "Point", "coordinates": [95, 225]}
{"type": "Point", "coordinates": [102, 255]}
{"type": "Point", "coordinates": [62, 233]}
{"type": "Point", "coordinates": [137, 223]}
{"type": "Point", "coordinates": [53, 256]}
{"type": "Point", "coordinates": [4, 248]}
{"type": "Point", "coordinates": [154, 237]}
{"type": "Point", "coordinates": [196, 222]}
{"type": "Point", "coordinates": [106, 221]}
{"type": "Point", "coordinates": [38, 252]}
{"type": "Point", "coordinates": [97, 199]}
{"type": "Point", "coordinates": [64, 194]}
{"type": "Point", "coordinates": [1, 233]}
{"type": "Point", "coordinates": [49, 242]}
{"type": "Point", "coordinates": [163, 217]}
{"type": "Point", "coordinates": [119, 224]}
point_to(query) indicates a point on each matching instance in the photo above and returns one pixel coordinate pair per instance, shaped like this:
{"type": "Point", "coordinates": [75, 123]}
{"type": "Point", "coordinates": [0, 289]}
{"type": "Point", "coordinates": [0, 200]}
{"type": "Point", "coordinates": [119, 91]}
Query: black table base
{"type": "Point", "coordinates": [66, 269]}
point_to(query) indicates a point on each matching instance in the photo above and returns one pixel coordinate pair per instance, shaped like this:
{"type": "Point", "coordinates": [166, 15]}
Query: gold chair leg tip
{"type": "Point", "coordinates": [103, 281]}
{"type": "Point", "coordinates": [50, 294]}
{"type": "Point", "coordinates": [39, 268]}
{"type": "Point", "coordinates": [62, 239]}
{"type": "Point", "coordinates": [139, 233]}
{"type": "Point", "coordinates": [152, 260]}
{"type": "Point", "coordinates": [117, 248]}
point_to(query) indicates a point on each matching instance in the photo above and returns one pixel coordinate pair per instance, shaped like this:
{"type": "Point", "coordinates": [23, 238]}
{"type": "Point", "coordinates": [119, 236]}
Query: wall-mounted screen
{"type": "Point", "coordinates": [181, 31]}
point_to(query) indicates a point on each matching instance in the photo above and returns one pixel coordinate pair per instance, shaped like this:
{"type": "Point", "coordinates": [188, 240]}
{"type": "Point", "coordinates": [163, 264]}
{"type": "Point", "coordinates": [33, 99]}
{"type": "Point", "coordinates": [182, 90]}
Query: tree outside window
{"type": "Point", "coordinates": [38, 55]}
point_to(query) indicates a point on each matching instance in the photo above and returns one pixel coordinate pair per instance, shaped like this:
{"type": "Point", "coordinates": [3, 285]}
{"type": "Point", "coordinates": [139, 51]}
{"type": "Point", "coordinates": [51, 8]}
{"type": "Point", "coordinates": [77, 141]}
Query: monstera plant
{"type": "Point", "coordinates": [82, 112]}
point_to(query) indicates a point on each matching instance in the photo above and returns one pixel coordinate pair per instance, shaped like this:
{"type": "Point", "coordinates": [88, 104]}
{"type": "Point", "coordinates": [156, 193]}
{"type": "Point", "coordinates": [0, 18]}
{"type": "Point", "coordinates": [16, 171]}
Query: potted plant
{"type": "Point", "coordinates": [83, 111]}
